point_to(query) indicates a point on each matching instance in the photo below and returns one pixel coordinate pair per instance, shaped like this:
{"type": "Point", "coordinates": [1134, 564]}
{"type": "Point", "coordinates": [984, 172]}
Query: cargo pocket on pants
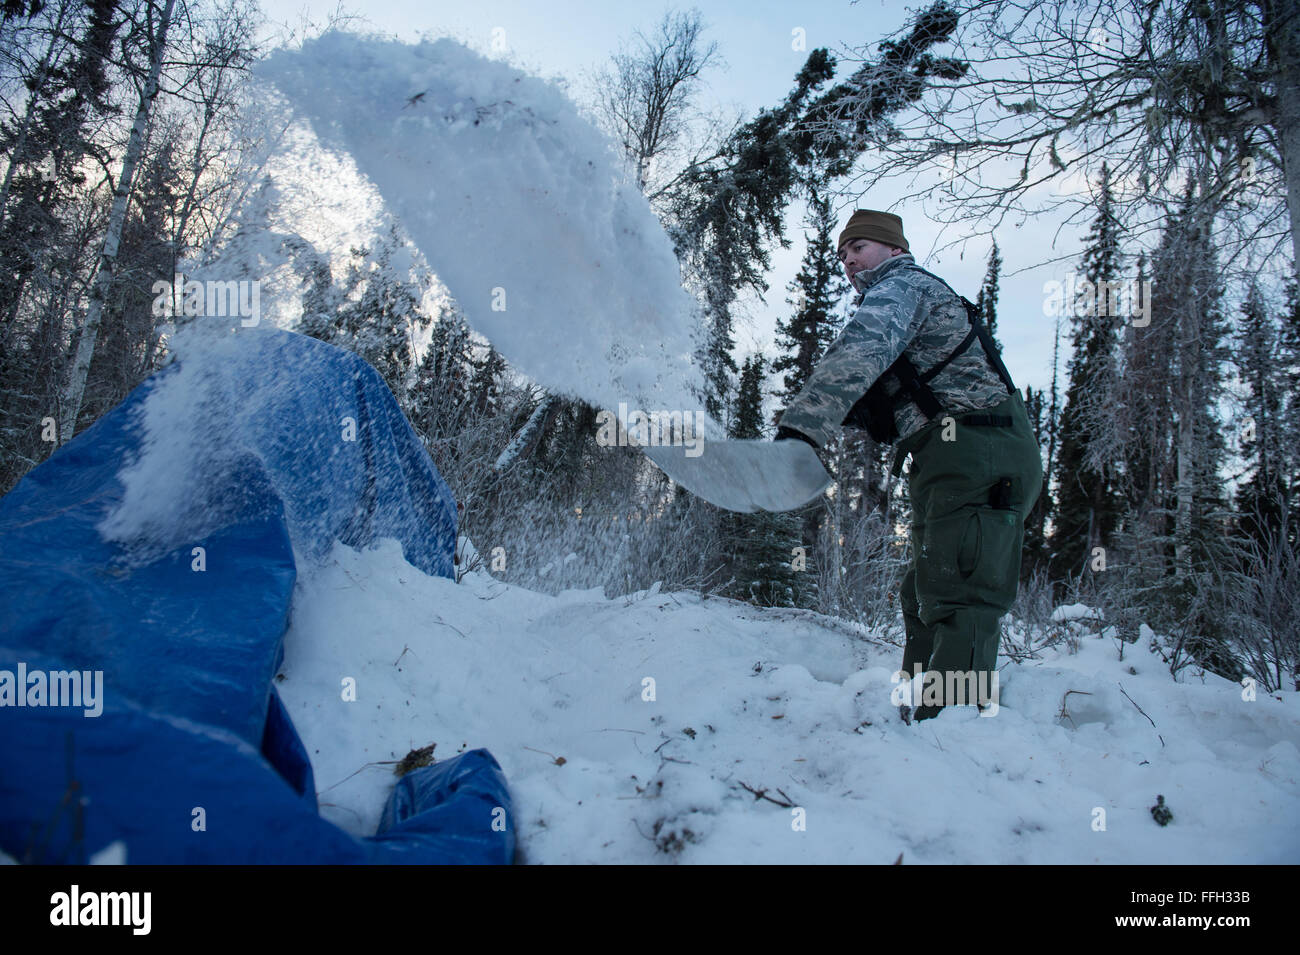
{"type": "Point", "coordinates": [949, 553]}
{"type": "Point", "coordinates": [969, 558]}
{"type": "Point", "coordinates": [994, 555]}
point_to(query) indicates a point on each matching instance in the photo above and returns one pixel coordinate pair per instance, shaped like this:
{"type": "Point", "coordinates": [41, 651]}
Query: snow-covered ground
{"type": "Point", "coordinates": [785, 703]}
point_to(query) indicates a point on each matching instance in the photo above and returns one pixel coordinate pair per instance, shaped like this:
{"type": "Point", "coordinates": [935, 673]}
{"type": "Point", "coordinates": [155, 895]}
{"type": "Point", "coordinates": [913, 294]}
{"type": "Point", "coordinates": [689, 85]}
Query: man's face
{"type": "Point", "coordinates": [859, 254]}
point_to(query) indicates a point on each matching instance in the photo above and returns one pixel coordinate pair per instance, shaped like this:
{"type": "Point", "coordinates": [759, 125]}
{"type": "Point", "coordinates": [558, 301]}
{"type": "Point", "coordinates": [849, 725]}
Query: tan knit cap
{"type": "Point", "coordinates": [884, 227]}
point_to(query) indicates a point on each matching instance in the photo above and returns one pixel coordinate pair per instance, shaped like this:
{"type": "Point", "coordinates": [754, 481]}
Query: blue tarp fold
{"type": "Point", "coordinates": [288, 444]}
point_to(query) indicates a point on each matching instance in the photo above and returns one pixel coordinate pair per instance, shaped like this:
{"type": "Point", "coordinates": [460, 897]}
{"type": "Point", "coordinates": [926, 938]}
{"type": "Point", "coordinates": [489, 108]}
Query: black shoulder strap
{"type": "Point", "coordinates": [993, 355]}
{"type": "Point", "coordinates": [914, 387]}
{"type": "Point", "coordinates": [920, 391]}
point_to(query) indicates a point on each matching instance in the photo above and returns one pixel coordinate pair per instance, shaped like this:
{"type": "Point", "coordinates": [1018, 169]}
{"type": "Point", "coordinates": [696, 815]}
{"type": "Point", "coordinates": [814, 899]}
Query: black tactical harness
{"type": "Point", "coordinates": [874, 411]}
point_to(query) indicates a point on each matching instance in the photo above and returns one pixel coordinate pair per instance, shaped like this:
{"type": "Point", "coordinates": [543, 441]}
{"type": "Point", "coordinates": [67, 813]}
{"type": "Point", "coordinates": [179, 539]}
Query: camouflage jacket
{"type": "Point", "coordinates": [902, 310]}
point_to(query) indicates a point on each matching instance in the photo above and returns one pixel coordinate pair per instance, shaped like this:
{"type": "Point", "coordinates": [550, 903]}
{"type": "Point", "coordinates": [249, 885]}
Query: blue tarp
{"type": "Point", "coordinates": [288, 444]}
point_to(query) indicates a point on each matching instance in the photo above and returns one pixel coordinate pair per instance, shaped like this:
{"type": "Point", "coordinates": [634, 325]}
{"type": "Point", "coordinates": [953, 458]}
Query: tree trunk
{"type": "Point", "coordinates": [76, 386]}
{"type": "Point", "coordinates": [1183, 515]}
{"type": "Point", "coordinates": [1189, 337]}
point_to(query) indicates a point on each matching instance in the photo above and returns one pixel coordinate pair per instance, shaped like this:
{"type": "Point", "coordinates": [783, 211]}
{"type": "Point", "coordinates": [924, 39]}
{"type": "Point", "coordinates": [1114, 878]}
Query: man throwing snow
{"type": "Point", "coordinates": [916, 369]}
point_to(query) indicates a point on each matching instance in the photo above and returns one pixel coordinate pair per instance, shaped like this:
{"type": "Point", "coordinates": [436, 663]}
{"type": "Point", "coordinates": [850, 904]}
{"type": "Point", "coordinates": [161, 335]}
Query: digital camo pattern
{"type": "Point", "coordinates": [902, 310]}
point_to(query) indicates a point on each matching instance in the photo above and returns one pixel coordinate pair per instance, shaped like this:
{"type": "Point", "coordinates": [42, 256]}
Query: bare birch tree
{"type": "Point", "coordinates": [156, 24]}
{"type": "Point", "coordinates": [645, 96]}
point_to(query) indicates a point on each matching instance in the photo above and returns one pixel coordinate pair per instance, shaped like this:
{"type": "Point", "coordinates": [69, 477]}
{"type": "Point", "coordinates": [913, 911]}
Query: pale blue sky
{"type": "Point", "coordinates": [572, 37]}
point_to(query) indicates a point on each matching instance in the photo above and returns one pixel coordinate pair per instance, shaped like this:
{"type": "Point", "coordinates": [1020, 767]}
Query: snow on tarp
{"type": "Point", "coordinates": [167, 584]}
{"type": "Point", "coordinates": [523, 209]}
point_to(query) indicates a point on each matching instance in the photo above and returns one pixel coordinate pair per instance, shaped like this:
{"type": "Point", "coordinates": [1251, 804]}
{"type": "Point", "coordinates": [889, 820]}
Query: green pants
{"type": "Point", "coordinates": [968, 525]}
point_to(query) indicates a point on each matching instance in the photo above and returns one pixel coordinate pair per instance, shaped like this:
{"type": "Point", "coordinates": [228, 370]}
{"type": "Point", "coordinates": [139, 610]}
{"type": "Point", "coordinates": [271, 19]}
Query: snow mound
{"type": "Point", "coordinates": [1076, 612]}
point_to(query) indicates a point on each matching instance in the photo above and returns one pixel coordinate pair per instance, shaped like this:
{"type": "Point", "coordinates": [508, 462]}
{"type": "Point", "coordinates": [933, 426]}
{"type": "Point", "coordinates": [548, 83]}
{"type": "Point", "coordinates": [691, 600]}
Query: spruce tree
{"type": "Point", "coordinates": [1087, 507]}
{"type": "Point", "coordinates": [747, 423]}
{"type": "Point", "coordinates": [69, 99]}
{"type": "Point", "coordinates": [437, 400]}
{"type": "Point", "coordinates": [817, 290]}
{"type": "Point", "coordinates": [987, 300]}
{"type": "Point", "coordinates": [1145, 402]}
{"type": "Point", "coordinates": [321, 301]}
{"type": "Point", "coordinates": [717, 365]}
{"type": "Point", "coordinates": [1188, 287]}
{"type": "Point", "coordinates": [762, 545]}
{"type": "Point", "coordinates": [1260, 500]}
{"type": "Point", "coordinates": [1034, 551]}
{"type": "Point", "coordinates": [1202, 547]}
{"type": "Point", "coordinates": [1175, 549]}
{"type": "Point", "coordinates": [380, 323]}
{"type": "Point", "coordinates": [485, 384]}
{"type": "Point", "coordinates": [1289, 359]}
{"type": "Point", "coordinates": [47, 218]}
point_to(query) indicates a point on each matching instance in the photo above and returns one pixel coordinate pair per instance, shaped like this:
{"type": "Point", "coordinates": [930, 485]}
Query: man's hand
{"type": "Point", "coordinates": [782, 433]}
